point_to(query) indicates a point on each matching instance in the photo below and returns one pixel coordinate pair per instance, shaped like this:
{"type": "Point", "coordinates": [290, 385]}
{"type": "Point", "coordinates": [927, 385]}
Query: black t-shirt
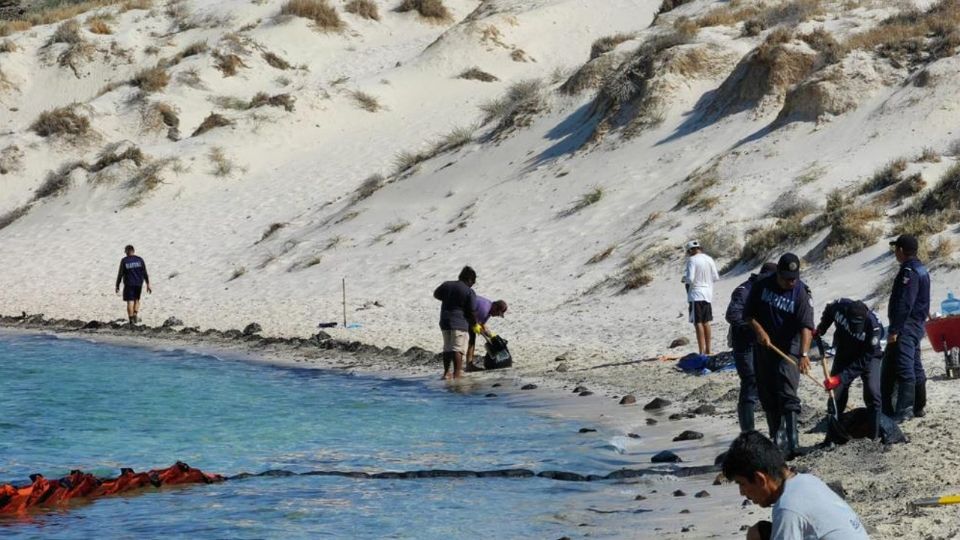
{"type": "Point", "coordinates": [782, 314]}
{"type": "Point", "coordinates": [133, 272]}
{"type": "Point", "coordinates": [855, 336]}
{"type": "Point", "coordinates": [456, 307]}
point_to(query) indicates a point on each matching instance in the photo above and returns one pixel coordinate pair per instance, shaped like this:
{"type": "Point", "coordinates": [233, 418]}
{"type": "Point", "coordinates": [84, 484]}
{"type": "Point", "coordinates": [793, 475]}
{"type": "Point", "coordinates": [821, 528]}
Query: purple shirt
{"type": "Point", "coordinates": [481, 309]}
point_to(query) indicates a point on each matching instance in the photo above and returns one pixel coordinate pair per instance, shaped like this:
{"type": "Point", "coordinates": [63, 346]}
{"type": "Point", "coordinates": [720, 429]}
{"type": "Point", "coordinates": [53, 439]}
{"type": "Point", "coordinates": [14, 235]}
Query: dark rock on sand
{"type": "Point", "coordinates": [639, 498]}
{"type": "Point", "coordinates": [587, 430]}
{"type": "Point", "coordinates": [92, 325]}
{"type": "Point", "coordinates": [705, 409]}
{"type": "Point", "coordinates": [686, 529]}
{"type": "Point", "coordinates": [666, 457]}
{"type": "Point", "coordinates": [628, 399]}
{"type": "Point", "coordinates": [837, 487]}
{"type": "Point", "coordinates": [651, 421]}
{"type": "Point", "coordinates": [685, 511]}
{"type": "Point", "coordinates": [416, 355]}
{"type": "Point", "coordinates": [702, 494]}
{"type": "Point", "coordinates": [563, 475]}
{"type": "Point", "coordinates": [496, 385]}
{"type": "Point", "coordinates": [688, 435]}
{"type": "Point", "coordinates": [232, 333]}
{"type": "Point", "coordinates": [679, 342]}
{"type": "Point", "coordinates": [172, 321]}
{"type": "Point", "coordinates": [564, 357]}
{"type": "Point", "coordinates": [656, 404]}
{"type": "Point", "coordinates": [681, 416]}
{"type": "Point", "coordinates": [252, 328]}
{"type": "Point", "coordinates": [633, 435]}
{"type": "Point", "coordinates": [679, 493]}
{"type": "Point", "coordinates": [563, 368]}
{"type": "Point", "coordinates": [490, 395]}
{"type": "Point", "coordinates": [580, 388]}
{"type": "Point", "coordinates": [585, 393]}
{"type": "Point", "coordinates": [528, 387]}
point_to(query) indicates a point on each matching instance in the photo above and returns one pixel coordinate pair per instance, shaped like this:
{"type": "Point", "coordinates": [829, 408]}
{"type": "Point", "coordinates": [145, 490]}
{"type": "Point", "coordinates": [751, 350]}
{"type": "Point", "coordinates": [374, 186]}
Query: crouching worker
{"type": "Point", "coordinates": [483, 309]}
{"type": "Point", "coordinates": [804, 508]}
{"type": "Point", "coordinates": [857, 341]}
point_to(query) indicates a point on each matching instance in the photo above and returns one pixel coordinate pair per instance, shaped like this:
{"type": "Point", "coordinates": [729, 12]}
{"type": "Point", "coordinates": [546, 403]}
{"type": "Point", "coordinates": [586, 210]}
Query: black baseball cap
{"type": "Point", "coordinates": [907, 242]}
{"type": "Point", "coordinates": [789, 266]}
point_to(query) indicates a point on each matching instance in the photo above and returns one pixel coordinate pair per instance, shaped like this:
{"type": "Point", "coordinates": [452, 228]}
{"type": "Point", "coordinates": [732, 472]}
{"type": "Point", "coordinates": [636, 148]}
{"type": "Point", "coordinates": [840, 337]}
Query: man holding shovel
{"type": "Point", "coordinates": [780, 310]}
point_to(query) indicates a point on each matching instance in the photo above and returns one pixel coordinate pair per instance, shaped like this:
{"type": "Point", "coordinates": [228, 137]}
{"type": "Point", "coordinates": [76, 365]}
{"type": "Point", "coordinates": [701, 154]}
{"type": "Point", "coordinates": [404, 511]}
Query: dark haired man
{"type": "Point", "coordinates": [804, 508]}
{"type": "Point", "coordinates": [742, 338]}
{"type": "Point", "coordinates": [780, 310]}
{"type": "Point", "coordinates": [133, 274]}
{"type": "Point", "coordinates": [907, 312]}
{"type": "Point", "coordinates": [456, 319]}
{"type": "Point", "coordinates": [857, 341]}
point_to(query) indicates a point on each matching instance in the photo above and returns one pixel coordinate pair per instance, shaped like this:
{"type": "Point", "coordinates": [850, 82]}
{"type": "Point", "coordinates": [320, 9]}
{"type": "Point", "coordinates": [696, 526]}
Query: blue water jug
{"type": "Point", "coordinates": [950, 306]}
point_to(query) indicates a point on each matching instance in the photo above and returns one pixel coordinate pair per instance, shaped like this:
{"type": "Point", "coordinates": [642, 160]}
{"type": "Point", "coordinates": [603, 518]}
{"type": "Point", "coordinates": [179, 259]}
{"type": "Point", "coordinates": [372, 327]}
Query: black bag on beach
{"type": "Point", "coordinates": [858, 424]}
{"type": "Point", "coordinates": [498, 356]}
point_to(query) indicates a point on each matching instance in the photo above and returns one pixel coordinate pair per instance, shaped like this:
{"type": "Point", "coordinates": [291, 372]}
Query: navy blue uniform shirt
{"type": "Point", "coordinates": [855, 337]}
{"type": "Point", "coordinates": [782, 314]}
{"type": "Point", "coordinates": [456, 305]}
{"type": "Point", "coordinates": [910, 299]}
{"type": "Point", "coordinates": [133, 272]}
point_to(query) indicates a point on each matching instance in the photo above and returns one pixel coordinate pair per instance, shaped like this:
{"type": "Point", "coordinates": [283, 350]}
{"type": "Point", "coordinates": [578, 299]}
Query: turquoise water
{"type": "Point", "coordinates": [69, 404]}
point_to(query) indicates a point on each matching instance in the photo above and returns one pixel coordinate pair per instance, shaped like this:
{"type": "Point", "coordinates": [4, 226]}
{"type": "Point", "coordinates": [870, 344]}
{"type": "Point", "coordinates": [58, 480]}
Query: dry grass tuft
{"type": "Point", "coordinates": [54, 12]}
{"type": "Point", "coordinates": [99, 25]}
{"type": "Point", "coordinates": [851, 227]}
{"type": "Point", "coordinates": [56, 182]}
{"type": "Point", "coordinates": [428, 9]}
{"type": "Point", "coordinates": [698, 183]}
{"type": "Point", "coordinates": [8, 46]}
{"type": "Point", "coordinates": [368, 187]}
{"type": "Point", "coordinates": [636, 275]}
{"type": "Point", "coordinates": [271, 230]}
{"type": "Point", "coordinates": [587, 199]}
{"type": "Point", "coordinates": [159, 116]}
{"type": "Point", "coordinates": [62, 121]}
{"type": "Point", "coordinates": [151, 79]}
{"type": "Point", "coordinates": [363, 8]}
{"type": "Point", "coordinates": [228, 63]}
{"type": "Point", "coordinates": [323, 15]}
{"type": "Point", "coordinates": [516, 109]}
{"type": "Point", "coordinates": [762, 15]}
{"type": "Point", "coordinates": [11, 159]}
{"type": "Point", "coordinates": [608, 43]}
{"type": "Point", "coordinates": [276, 61]}
{"type": "Point", "coordinates": [477, 74]}
{"type": "Point", "coordinates": [365, 101]}
{"type": "Point", "coordinates": [261, 99]}
{"type": "Point", "coordinates": [7, 219]}
{"type": "Point", "coordinates": [913, 37]}
{"type": "Point", "coordinates": [212, 121]}
{"type": "Point", "coordinates": [222, 166]}
{"type": "Point", "coordinates": [590, 75]}
{"type": "Point", "coordinates": [670, 5]}
{"type": "Point", "coordinates": [937, 207]}
{"type": "Point", "coordinates": [887, 176]}
{"type": "Point", "coordinates": [602, 255]}
{"type": "Point", "coordinates": [68, 32]}
{"type": "Point", "coordinates": [791, 205]}
{"type": "Point", "coordinates": [929, 155]}
{"type": "Point", "coordinates": [112, 154]}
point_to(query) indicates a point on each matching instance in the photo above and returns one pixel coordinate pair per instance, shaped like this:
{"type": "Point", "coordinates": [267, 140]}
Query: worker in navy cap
{"type": "Point", "coordinates": [857, 341]}
{"type": "Point", "coordinates": [907, 311]}
{"type": "Point", "coordinates": [780, 309]}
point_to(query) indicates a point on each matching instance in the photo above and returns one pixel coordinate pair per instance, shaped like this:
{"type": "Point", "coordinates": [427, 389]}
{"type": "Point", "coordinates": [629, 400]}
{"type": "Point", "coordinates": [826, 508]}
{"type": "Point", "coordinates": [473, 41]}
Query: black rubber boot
{"type": "Point", "coordinates": [745, 417]}
{"type": "Point", "coordinates": [791, 435]}
{"type": "Point", "coordinates": [876, 426]}
{"type": "Point", "coordinates": [888, 380]}
{"type": "Point", "coordinates": [774, 426]}
{"type": "Point", "coordinates": [920, 400]}
{"type": "Point", "coordinates": [906, 398]}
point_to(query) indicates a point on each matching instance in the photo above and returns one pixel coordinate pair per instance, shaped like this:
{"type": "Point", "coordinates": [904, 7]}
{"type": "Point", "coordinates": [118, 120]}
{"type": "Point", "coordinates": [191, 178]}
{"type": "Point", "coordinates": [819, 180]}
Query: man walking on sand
{"type": "Point", "coordinates": [907, 312]}
{"type": "Point", "coordinates": [780, 310]}
{"type": "Point", "coordinates": [699, 275]}
{"type": "Point", "coordinates": [742, 340]}
{"type": "Point", "coordinates": [804, 508]}
{"type": "Point", "coordinates": [133, 274]}
{"type": "Point", "coordinates": [456, 319]}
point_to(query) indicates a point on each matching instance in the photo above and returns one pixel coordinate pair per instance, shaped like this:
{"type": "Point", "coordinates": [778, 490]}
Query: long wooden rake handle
{"type": "Point", "coordinates": [790, 359]}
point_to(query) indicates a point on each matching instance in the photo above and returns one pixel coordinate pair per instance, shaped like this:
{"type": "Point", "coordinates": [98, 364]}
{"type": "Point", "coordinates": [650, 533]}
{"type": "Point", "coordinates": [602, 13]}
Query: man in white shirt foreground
{"type": "Point", "coordinates": [699, 275]}
{"type": "Point", "coordinates": [804, 508]}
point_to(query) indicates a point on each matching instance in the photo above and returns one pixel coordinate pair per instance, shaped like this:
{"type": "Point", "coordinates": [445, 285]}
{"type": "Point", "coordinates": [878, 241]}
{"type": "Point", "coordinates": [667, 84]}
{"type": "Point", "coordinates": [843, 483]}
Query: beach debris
{"type": "Point", "coordinates": [563, 475]}
{"type": "Point", "coordinates": [579, 388]}
{"type": "Point", "coordinates": [327, 325]}
{"type": "Point", "coordinates": [490, 395]}
{"type": "Point", "coordinates": [679, 342]}
{"type": "Point", "coordinates": [679, 493]}
{"type": "Point", "coordinates": [685, 511]}
{"type": "Point", "coordinates": [705, 409]}
{"type": "Point", "coordinates": [688, 528]}
{"type": "Point", "coordinates": [633, 435]}
{"type": "Point", "coordinates": [587, 430]}
{"type": "Point", "coordinates": [702, 494]}
{"type": "Point", "coordinates": [656, 404]}
{"type": "Point", "coordinates": [628, 399]}
{"type": "Point", "coordinates": [92, 325]}
{"type": "Point", "coordinates": [563, 368]}
{"type": "Point", "coordinates": [688, 435]}
{"type": "Point", "coordinates": [567, 356]}
{"type": "Point", "coordinates": [585, 393]}
{"type": "Point", "coordinates": [496, 385]}
{"type": "Point", "coordinates": [681, 416]}
{"type": "Point", "coordinates": [530, 386]}
{"type": "Point", "coordinates": [639, 498]}
{"type": "Point", "coordinates": [652, 421]}
{"type": "Point", "coordinates": [252, 328]}
{"type": "Point", "coordinates": [665, 456]}
{"type": "Point", "coordinates": [171, 322]}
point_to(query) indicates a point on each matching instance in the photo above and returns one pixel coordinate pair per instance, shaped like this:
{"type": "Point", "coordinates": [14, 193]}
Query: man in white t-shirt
{"type": "Point", "coordinates": [699, 275]}
{"type": "Point", "coordinates": [804, 508]}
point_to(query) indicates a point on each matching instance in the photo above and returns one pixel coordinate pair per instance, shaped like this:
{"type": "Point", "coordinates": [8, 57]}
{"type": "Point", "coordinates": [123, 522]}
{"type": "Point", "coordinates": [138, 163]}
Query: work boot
{"type": "Point", "coordinates": [773, 426]}
{"type": "Point", "coordinates": [906, 398]}
{"type": "Point", "coordinates": [920, 399]}
{"type": "Point", "coordinates": [792, 437]}
{"type": "Point", "coordinates": [133, 320]}
{"type": "Point", "coordinates": [745, 417]}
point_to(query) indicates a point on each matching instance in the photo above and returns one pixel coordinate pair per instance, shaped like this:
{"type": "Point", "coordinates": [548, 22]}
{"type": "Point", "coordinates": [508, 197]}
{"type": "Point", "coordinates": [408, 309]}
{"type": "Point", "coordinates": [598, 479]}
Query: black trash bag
{"type": "Point", "coordinates": [498, 356]}
{"type": "Point", "coordinates": [720, 361]}
{"type": "Point", "coordinates": [858, 424]}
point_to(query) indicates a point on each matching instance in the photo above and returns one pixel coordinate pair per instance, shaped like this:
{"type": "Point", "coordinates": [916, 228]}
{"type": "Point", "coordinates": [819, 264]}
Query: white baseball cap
{"type": "Point", "coordinates": [691, 244]}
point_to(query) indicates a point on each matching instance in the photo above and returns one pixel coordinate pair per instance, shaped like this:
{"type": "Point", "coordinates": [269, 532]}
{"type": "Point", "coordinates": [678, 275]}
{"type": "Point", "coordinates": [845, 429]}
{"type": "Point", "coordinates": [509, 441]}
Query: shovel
{"type": "Point", "coordinates": [826, 375]}
{"type": "Point", "coordinates": [790, 359]}
{"type": "Point", "coordinates": [936, 501]}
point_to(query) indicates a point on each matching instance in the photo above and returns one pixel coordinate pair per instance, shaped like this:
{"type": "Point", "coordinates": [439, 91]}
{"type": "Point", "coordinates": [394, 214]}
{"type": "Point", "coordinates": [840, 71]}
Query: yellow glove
{"type": "Point", "coordinates": [477, 329]}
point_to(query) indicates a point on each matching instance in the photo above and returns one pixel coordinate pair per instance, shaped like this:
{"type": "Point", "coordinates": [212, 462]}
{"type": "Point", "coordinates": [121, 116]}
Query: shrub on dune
{"type": "Point", "coordinates": [318, 11]}
{"type": "Point", "coordinates": [428, 9]}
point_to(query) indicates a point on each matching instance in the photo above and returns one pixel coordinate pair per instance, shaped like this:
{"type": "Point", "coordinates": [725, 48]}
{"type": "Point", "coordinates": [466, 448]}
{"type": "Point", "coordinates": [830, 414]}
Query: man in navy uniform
{"type": "Point", "coordinates": [907, 311]}
{"type": "Point", "coordinates": [780, 310]}
{"type": "Point", "coordinates": [133, 275]}
{"type": "Point", "coordinates": [857, 341]}
{"type": "Point", "coordinates": [742, 338]}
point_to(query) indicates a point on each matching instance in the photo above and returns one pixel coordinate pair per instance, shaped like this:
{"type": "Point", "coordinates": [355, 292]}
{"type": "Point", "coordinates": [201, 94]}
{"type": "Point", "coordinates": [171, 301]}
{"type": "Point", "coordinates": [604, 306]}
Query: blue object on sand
{"type": "Point", "coordinates": [354, 325]}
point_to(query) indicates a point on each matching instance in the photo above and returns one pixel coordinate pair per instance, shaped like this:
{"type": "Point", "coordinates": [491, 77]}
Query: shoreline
{"type": "Point", "coordinates": [877, 484]}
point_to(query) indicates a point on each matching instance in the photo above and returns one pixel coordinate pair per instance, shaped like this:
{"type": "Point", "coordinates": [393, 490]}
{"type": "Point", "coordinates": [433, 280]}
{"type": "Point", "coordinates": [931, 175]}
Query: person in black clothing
{"type": "Point", "coordinates": [907, 312]}
{"type": "Point", "coordinates": [780, 310]}
{"type": "Point", "coordinates": [457, 319]}
{"type": "Point", "coordinates": [742, 340]}
{"type": "Point", "coordinates": [857, 341]}
{"type": "Point", "coordinates": [133, 274]}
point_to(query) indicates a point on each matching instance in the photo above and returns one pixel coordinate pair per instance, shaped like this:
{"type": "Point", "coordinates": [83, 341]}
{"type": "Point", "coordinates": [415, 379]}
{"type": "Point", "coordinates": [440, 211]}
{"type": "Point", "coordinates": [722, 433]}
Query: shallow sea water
{"type": "Point", "coordinates": [70, 404]}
